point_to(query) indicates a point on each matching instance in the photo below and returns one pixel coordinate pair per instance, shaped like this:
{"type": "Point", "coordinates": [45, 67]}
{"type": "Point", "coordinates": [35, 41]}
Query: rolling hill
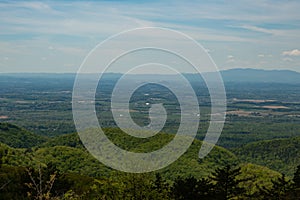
{"type": "Point", "coordinates": [259, 75]}
{"type": "Point", "coordinates": [281, 155]}
{"type": "Point", "coordinates": [69, 156]}
{"type": "Point", "coordinates": [71, 150]}
{"type": "Point", "coordinates": [17, 137]}
{"type": "Point", "coordinates": [68, 153]}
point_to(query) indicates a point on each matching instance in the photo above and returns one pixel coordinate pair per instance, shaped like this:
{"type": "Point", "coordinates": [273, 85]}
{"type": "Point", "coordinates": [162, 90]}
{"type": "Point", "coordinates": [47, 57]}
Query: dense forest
{"type": "Point", "coordinates": [61, 168]}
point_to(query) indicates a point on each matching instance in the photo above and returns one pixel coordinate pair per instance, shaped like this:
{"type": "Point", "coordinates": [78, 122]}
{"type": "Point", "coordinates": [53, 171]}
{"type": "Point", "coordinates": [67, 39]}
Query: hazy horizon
{"type": "Point", "coordinates": [94, 73]}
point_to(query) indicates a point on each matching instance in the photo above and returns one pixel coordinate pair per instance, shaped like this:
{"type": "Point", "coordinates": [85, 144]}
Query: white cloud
{"type": "Point", "coordinates": [72, 50]}
{"type": "Point", "coordinates": [63, 32]}
{"type": "Point", "coordinates": [294, 52]}
{"type": "Point", "coordinates": [265, 55]}
{"type": "Point", "coordinates": [259, 29]}
{"type": "Point", "coordinates": [230, 59]}
{"type": "Point", "coordinates": [246, 10]}
{"type": "Point", "coordinates": [287, 59]}
{"type": "Point", "coordinates": [35, 5]}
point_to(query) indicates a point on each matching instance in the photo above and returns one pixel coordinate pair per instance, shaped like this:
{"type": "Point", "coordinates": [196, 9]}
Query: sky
{"type": "Point", "coordinates": [56, 36]}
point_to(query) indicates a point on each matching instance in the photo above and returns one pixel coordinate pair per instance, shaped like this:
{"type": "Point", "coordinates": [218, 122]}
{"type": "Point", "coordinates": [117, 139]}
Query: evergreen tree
{"type": "Point", "coordinates": [226, 183]}
{"type": "Point", "coordinates": [191, 188]}
{"type": "Point", "coordinates": [205, 189]}
{"type": "Point", "coordinates": [296, 184]}
{"type": "Point", "coordinates": [296, 178]}
{"type": "Point", "coordinates": [137, 186]}
{"type": "Point", "coordinates": [185, 188]}
{"type": "Point", "coordinates": [280, 189]}
{"type": "Point", "coordinates": [1, 158]}
{"type": "Point", "coordinates": [160, 187]}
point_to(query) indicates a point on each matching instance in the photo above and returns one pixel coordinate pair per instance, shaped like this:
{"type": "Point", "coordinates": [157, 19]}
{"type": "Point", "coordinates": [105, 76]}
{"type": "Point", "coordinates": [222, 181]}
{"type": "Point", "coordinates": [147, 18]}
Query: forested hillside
{"type": "Point", "coordinates": [281, 155]}
{"type": "Point", "coordinates": [68, 155]}
{"type": "Point", "coordinates": [68, 171]}
{"type": "Point", "coordinates": [15, 136]}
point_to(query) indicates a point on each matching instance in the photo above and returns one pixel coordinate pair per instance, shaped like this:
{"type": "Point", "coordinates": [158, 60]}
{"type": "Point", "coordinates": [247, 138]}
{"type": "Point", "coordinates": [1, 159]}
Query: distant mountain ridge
{"type": "Point", "coordinates": [244, 75]}
{"type": "Point", "coordinates": [260, 75]}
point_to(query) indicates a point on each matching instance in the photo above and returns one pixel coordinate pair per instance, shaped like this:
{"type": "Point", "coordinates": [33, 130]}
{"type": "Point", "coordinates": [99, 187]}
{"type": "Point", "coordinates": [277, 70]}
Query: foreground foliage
{"type": "Point", "coordinates": [61, 168]}
{"type": "Point", "coordinates": [49, 183]}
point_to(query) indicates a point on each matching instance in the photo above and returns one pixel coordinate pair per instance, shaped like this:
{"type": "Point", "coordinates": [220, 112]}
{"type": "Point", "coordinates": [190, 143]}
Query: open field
{"type": "Point", "coordinates": [44, 107]}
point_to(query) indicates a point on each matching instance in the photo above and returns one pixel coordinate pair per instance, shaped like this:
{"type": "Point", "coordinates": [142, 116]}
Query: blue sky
{"type": "Point", "coordinates": [55, 36]}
